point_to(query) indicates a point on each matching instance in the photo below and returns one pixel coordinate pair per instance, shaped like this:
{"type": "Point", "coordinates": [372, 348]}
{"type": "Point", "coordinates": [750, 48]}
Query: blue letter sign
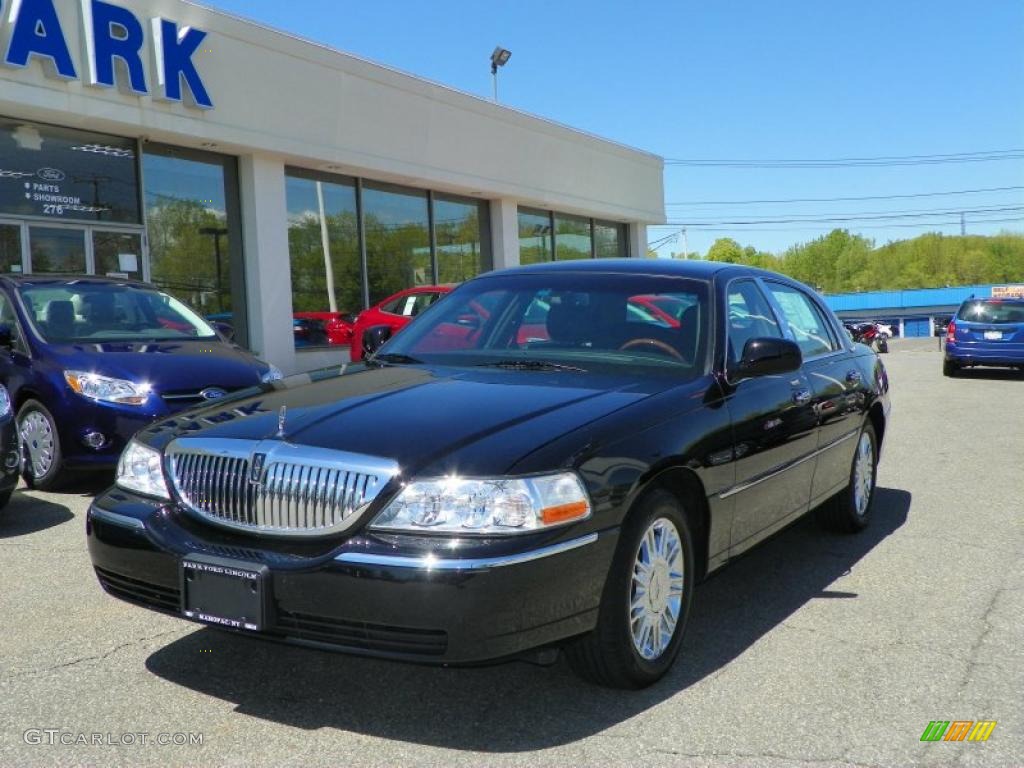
{"type": "Point", "coordinates": [37, 32]}
{"type": "Point", "coordinates": [113, 33]}
{"type": "Point", "coordinates": [174, 49]}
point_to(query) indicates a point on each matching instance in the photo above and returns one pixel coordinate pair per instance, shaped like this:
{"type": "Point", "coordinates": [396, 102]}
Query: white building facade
{"type": "Point", "coordinates": [260, 177]}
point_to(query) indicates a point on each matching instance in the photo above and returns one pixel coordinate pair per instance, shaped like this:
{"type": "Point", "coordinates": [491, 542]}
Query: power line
{"type": "Point", "coordinates": [812, 218]}
{"type": "Point", "coordinates": [823, 228]}
{"type": "Point", "coordinates": [854, 162]}
{"type": "Point", "coordinates": [848, 199]}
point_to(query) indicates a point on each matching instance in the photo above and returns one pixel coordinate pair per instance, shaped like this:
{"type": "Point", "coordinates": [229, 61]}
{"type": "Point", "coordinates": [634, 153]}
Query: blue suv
{"type": "Point", "coordinates": [986, 332]}
{"type": "Point", "coordinates": [89, 361]}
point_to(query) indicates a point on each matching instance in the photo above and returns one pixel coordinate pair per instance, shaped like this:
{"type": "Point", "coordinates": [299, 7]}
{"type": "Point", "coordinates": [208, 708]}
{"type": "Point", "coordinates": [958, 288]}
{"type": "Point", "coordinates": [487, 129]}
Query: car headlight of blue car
{"type": "Point", "coordinates": [107, 389]}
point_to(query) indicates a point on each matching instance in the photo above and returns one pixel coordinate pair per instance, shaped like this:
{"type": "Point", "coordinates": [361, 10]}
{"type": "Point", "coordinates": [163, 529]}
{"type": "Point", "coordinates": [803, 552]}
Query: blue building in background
{"type": "Point", "coordinates": [920, 312]}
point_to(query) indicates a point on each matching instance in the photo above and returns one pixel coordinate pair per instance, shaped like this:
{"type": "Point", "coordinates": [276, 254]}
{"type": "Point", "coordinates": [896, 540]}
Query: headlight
{"type": "Point", "coordinates": [109, 390]}
{"type": "Point", "coordinates": [454, 505]}
{"type": "Point", "coordinates": [5, 402]}
{"type": "Point", "coordinates": [274, 374]}
{"type": "Point", "coordinates": [140, 470]}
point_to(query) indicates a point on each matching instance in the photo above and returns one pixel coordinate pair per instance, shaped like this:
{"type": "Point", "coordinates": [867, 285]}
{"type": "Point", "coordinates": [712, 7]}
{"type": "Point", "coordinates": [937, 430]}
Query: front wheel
{"type": "Point", "coordinates": [850, 511]}
{"type": "Point", "coordinates": [646, 600]}
{"type": "Point", "coordinates": [40, 447]}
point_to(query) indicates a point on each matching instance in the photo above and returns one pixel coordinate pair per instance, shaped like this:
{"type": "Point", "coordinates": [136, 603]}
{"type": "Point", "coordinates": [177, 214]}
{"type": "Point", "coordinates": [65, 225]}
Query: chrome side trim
{"type": "Point", "coordinates": [431, 563]}
{"type": "Point", "coordinates": [124, 521]}
{"type": "Point", "coordinates": [776, 472]}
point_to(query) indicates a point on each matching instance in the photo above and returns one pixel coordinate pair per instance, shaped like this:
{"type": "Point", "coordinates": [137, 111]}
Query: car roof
{"type": "Point", "coordinates": [72, 279]}
{"type": "Point", "coordinates": [693, 268]}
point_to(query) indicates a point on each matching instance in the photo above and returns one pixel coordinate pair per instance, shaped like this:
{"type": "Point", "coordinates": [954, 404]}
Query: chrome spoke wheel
{"type": "Point", "coordinates": [656, 589]}
{"type": "Point", "coordinates": [863, 474]}
{"type": "Point", "coordinates": [38, 438]}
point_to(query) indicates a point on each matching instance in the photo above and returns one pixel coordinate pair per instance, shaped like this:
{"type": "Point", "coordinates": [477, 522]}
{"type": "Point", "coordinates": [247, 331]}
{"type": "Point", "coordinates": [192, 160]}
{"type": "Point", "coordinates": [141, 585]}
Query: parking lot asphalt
{"type": "Point", "coordinates": [814, 650]}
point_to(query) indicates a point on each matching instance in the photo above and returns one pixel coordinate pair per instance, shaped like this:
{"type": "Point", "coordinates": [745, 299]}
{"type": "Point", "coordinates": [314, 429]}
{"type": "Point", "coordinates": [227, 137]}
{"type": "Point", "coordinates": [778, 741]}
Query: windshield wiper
{"type": "Point", "coordinates": [533, 365]}
{"type": "Point", "coordinates": [394, 358]}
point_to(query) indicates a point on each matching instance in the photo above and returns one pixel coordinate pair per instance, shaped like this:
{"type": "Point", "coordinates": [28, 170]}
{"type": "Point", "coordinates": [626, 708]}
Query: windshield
{"type": "Point", "coordinates": [995, 312]}
{"type": "Point", "coordinates": [557, 320]}
{"type": "Point", "coordinates": [81, 311]}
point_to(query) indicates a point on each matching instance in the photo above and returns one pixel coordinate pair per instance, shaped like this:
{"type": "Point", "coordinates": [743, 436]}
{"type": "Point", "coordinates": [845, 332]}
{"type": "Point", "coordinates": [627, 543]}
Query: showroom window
{"type": "Point", "coordinates": [462, 238]}
{"type": "Point", "coordinates": [397, 226]}
{"type": "Point", "coordinates": [610, 240]}
{"type": "Point", "coordinates": [353, 243]}
{"type": "Point", "coordinates": [547, 236]}
{"type": "Point", "coordinates": [327, 275]}
{"type": "Point", "coordinates": [536, 236]}
{"type": "Point", "coordinates": [194, 227]}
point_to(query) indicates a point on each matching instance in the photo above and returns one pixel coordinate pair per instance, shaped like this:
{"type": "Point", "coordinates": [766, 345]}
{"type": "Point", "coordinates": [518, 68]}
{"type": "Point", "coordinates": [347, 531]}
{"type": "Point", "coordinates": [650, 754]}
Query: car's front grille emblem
{"type": "Point", "coordinates": [256, 468]}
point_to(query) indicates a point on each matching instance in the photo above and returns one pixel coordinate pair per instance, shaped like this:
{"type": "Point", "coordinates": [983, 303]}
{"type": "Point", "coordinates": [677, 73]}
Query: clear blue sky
{"type": "Point", "coordinates": [725, 79]}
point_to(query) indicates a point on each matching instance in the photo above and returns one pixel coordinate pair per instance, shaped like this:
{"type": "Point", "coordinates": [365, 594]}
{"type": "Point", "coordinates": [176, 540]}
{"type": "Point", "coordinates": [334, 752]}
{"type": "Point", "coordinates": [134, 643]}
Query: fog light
{"type": "Point", "coordinates": [94, 440]}
{"type": "Point", "coordinates": [13, 460]}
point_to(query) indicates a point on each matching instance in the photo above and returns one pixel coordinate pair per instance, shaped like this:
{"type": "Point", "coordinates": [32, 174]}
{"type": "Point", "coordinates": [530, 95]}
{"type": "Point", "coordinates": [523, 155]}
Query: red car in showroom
{"type": "Point", "coordinates": [396, 312]}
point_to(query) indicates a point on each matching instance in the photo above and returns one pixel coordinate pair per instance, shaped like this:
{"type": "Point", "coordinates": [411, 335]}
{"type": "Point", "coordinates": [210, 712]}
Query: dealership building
{"type": "Point", "coordinates": [257, 175]}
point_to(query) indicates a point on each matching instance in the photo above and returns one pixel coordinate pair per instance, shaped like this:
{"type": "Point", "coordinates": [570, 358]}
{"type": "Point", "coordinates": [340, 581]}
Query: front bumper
{"type": "Point", "coordinates": [369, 595]}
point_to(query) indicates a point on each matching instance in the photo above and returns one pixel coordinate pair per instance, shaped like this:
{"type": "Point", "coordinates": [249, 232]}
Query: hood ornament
{"type": "Point", "coordinates": [281, 416]}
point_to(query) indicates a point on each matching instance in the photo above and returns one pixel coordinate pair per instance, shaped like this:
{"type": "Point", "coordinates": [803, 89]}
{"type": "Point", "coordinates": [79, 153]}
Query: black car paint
{"type": "Point", "coordinates": [759, 458]}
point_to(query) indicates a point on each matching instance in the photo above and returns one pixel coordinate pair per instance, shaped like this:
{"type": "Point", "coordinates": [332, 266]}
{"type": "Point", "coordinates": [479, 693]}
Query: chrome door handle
{"type": "Point", "coordinates": [853, 377]}
{"type": "Point", "coordinates": [802, 396]}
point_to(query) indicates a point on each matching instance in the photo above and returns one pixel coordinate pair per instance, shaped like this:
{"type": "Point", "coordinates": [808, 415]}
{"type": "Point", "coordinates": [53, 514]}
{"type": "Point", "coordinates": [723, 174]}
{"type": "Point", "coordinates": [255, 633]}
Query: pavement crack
{"type": "Point", "coordinates": [84, 659]}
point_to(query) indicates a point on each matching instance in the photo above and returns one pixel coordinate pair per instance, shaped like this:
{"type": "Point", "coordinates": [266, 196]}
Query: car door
{"type": "Point", "coordinates": [837, 384]}
{"type": "Point", "coordinates": [16, 362]}
{"type": "Point", "coordinates": [774, 425]}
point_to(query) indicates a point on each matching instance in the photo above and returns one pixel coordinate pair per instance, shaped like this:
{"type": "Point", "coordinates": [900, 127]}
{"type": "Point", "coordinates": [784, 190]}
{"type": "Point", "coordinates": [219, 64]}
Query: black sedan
{"type": "Point", "coordinates": [539, 460]}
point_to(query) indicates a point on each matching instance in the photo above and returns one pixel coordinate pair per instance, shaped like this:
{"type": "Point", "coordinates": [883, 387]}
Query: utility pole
{"type": "Point", "coordinates": [963, 224]}
{"type": "Point", "coordinates": [686, 245]}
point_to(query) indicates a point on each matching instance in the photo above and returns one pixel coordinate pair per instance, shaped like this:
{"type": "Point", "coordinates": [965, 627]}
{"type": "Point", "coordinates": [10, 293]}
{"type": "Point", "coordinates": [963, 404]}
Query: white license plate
{"type": "Point", "coordinates": [993, 335]}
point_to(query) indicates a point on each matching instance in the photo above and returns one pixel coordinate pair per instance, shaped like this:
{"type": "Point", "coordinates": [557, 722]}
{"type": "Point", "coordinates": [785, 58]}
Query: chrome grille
{"type": "Point", "coordinates": [274, 487]}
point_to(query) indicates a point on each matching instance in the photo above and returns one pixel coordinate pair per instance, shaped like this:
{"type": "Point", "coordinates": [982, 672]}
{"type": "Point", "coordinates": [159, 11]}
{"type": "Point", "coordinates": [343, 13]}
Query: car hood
{"type": "Point", "coordinates": [168, 366]}
{"type": "Point", "coordinates": [431, 421]}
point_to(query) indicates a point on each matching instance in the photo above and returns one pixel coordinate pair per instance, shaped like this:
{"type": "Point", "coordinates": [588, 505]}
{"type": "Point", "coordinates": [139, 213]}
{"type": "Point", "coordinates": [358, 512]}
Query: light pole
{"type": "Point", "coordinates": [499, 58]}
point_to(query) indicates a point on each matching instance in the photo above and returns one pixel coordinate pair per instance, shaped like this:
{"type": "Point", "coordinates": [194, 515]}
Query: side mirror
{"type": "Point", "coordinates": [374, 338]}
{"type": "Point", "coordinates": [225, 329]}
{"type": "Point", "coordinates": [768, 356]}
{"type": "Point", "coordinates": [6, 337]}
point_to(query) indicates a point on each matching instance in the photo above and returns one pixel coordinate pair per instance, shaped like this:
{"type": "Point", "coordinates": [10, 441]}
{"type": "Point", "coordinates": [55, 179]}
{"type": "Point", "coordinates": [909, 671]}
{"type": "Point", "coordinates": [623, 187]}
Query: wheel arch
{"type": "Point", "coordinates": [876, 416]}
{"type": "Point", "coordinates": [684, 484]}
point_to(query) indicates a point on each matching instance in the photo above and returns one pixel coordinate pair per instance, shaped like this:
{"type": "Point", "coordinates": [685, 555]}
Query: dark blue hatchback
{"type": "Point", "coordinates": [89, 361]}
{"type": "Point", "coordinates": [986, 332]}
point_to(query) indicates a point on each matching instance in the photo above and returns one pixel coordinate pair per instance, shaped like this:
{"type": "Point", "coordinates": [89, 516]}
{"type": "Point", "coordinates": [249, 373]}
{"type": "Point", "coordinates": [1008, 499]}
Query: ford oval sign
{"type": "Point", "coordinates": [213, 393]}
{"type": "Point", "coordinates": [51, 174]}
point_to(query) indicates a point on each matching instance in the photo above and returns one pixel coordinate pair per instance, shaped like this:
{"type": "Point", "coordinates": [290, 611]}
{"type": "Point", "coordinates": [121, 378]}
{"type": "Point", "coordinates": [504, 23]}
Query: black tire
{"type": "Point", "coordinates": [883, 346]}
{"type": "Point", "coordinates": [52, 478]}
{"type": "Point", "coordinates": [843, 513]}
{"type": "Point", "coordinates": [608, 656]}
{"type": "Point", "coordinates": [5, 498]}
{"type": "Point", "coordinates": [949, 368]}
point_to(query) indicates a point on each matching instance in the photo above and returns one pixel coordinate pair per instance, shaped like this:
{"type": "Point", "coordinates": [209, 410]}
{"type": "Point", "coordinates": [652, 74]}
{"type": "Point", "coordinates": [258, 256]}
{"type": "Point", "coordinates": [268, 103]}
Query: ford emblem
{"type": "Point", "coordinates": [213, 393]}
{"type": "Point", "coordinates": [51, 174]}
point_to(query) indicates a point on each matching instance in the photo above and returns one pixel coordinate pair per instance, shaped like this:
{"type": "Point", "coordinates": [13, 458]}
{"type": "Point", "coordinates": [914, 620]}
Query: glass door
{"type": "Point", "coordinates": [57, 250]}
{"type": "Point", "coordinates": [117, 253]}
{"type": "Point", "coordinates": [10, 248]}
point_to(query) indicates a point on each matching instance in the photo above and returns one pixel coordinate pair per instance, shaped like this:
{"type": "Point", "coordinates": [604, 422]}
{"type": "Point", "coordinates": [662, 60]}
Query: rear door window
{"type": "Point", "coordinates": [805, 320]}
